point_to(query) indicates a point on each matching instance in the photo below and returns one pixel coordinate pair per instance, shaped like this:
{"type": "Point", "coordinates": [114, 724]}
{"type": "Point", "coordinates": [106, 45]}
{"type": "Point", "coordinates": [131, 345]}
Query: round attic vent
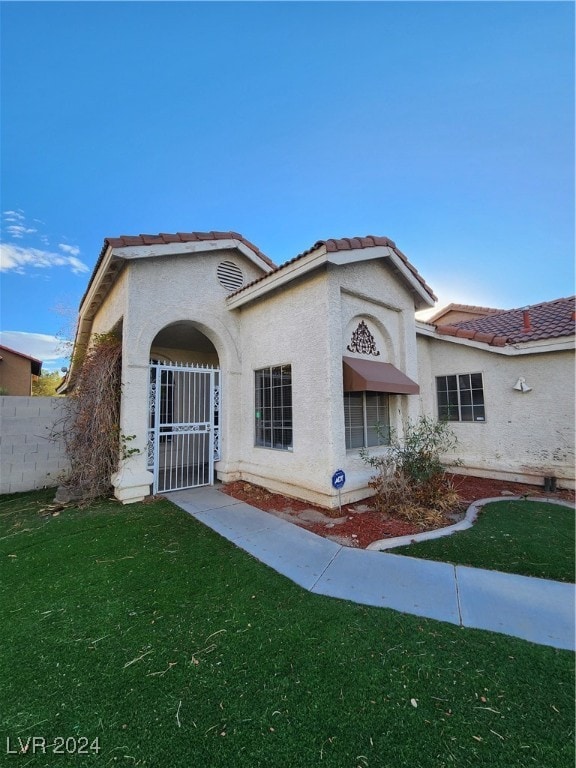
{"type": "Point", "coordinates": [230, 276]}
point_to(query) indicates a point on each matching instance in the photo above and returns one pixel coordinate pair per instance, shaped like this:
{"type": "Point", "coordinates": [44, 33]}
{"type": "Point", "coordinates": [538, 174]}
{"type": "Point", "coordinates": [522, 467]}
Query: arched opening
{"type": "Point", "coordinates": [184, 342]}
{"type": "Point", "coordinates": [184, 408]}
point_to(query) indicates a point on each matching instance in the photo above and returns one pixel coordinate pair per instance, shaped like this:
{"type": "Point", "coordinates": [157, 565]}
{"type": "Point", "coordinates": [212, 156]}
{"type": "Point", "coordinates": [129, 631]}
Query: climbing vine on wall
{"type": "Point", "coordinates": [91, 428]}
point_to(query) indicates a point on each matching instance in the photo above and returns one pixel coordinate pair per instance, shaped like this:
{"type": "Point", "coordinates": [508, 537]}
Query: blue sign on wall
{"type": "Point", "coordinates": [338, 479]}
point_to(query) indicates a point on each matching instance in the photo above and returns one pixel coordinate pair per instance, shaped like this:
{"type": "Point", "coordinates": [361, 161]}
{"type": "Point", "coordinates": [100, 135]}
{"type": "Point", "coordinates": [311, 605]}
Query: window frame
{"type": "Point", "coordinates": [273, 409]}
{"type": "Point", "coordinates": [366, 427]}
{"type": "Point", "coordinates": [466, 400]}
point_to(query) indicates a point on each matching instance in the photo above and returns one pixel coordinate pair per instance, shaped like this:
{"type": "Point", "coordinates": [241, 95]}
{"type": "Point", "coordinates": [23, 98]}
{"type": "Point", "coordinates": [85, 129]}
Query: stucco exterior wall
{"type": "Point", "coordinates": [28, 458]}
{"type": "Point", "coordinates": [288, 328]}
{"type": "Point", "coordinates": [369, 291]}
{"type": "Point", "coordinates": [158, 293]}
{"type": "Point", "coordinates": [112, 310]}
{"type": "Point", "coordinates": [308, 325]}
{"type": "Point", "coordinates": [526, 436]}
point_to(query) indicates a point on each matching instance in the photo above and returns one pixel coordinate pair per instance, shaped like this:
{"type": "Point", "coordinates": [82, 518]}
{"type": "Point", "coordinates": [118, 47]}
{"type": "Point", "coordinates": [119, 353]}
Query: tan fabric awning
{"type": "Point", "coordinates": [371, 376]}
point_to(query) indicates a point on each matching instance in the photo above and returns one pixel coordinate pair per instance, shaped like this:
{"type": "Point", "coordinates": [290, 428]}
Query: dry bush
{"type": "Point", "coordinates": [410, 482]}
{"type": "Point", "coordinates": [91, 428]}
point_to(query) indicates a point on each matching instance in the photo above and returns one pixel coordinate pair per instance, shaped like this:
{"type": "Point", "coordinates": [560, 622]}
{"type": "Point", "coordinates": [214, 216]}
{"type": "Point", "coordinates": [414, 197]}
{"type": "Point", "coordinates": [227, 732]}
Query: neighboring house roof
{"type": "Point", "coordinates": [463, 311]}
{"type": "Point", "coordinates": [333, 246]}
{"type": "Point", "coordinates": [36, 365]}
{"type": "Point", "coordinates": [548, 320]}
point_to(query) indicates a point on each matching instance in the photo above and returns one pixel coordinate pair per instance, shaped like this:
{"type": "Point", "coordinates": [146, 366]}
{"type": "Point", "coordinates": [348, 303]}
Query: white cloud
{"type": "Point", "coordinates": [16, 258]}
{"type": "Point", "coordinates": [14, 215]}
{"type": "Point", "coordinates": [73, 250]}
{"type": "Point", "coordinates": [49, 349]}
{"type": "Point", "coordinates": [18, 231]}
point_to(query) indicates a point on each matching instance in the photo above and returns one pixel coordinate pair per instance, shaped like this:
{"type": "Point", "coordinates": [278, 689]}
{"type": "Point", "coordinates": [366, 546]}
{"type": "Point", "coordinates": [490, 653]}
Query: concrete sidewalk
{"type": "Point", "coordinates": [533, 609]}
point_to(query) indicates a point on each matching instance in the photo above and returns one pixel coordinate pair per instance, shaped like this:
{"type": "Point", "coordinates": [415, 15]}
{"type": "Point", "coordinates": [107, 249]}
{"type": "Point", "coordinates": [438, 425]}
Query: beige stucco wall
{"type": "Point", "coordinates": [526, 436]}
{"type": "Point", "coordinates": [308, 325]}
{"type": "Point", "coordinates": [110, 314]}
{"type": "Point", "coordinates": [288, 328]}
{"type": "Point", "coordinates": [369, 291]}
{"type": "Point", "coordinates": [158, 293]}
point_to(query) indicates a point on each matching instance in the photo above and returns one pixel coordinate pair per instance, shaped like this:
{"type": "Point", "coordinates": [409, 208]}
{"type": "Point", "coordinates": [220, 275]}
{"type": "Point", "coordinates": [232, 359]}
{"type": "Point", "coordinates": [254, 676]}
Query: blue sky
{"type": "Point", "coordinates": [446, 126]}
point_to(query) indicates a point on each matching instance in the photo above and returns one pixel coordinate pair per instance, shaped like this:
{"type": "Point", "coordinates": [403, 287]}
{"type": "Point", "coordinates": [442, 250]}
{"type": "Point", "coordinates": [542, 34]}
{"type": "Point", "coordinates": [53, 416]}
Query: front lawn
{"type": "Point", "coordinates": [531, 538]}
{"type": "Point", "coordinates": [141, 628]}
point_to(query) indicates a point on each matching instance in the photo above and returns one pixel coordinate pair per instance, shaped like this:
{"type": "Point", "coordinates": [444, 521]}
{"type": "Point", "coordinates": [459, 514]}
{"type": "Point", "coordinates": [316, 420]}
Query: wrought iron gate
{"type": "Point", "coordinates": [184, 425]}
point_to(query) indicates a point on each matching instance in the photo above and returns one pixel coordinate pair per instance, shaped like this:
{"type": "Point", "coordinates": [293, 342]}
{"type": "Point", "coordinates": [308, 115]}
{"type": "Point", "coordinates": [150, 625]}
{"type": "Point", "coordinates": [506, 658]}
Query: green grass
{"type": "Point", "coordinates": [141, 627]}
{"type": "Point", "coordinates": [531, 538]}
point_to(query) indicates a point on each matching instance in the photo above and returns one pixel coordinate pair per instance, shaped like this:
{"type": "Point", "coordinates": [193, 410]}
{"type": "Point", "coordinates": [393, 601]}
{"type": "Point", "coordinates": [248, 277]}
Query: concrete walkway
{"type": "Point", "coordinates": [533, 609]}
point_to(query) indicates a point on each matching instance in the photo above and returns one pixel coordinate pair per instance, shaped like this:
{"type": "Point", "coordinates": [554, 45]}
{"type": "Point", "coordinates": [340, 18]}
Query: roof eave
{"type": "Point", "coordinates": [278, 278]}
{"type": "Point", "coordinates": [555, 344]}
{"type": "Point", "coordinates": [311, 261]}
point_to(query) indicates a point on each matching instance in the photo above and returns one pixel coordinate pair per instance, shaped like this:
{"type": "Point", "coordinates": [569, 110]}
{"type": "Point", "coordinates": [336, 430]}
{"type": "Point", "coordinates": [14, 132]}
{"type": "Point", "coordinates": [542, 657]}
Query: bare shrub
{"type": "Point", "coordinates": [410, 481]}
{"type": "Point", "coordinates": [91, 428]}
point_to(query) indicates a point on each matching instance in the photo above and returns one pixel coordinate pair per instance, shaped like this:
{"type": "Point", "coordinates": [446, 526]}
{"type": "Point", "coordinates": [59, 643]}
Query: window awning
{"type": "Point", "coordinates": [371, 376]}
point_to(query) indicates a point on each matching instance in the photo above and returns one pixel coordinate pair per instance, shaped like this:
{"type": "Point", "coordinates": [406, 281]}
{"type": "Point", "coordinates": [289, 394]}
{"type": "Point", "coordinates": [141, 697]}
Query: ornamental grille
{"type": "Point", "coordinates": [362, 341]}
{"type": "Point", "coordinates": [230, 276]}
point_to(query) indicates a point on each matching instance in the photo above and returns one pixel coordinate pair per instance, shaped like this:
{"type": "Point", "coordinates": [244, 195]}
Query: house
{"type": "Point", "coordinates": [17, 372]}
{"type": "Point", "coordinates": [505, 381]}
{"type": "Point", "coordinates": [235, 368]}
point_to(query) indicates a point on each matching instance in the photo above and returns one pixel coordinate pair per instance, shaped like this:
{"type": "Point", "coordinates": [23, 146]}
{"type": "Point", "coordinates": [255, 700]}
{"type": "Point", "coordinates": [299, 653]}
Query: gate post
{"type": "Point", "coordinates": [132, 481]}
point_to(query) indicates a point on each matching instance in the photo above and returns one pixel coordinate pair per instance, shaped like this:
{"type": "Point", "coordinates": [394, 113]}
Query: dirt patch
{"type": "Point", "coordinates": [358, 525]}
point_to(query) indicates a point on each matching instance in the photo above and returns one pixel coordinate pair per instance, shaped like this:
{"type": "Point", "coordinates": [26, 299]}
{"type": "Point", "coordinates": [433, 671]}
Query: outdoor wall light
{"type": "Point", "coordinates": [521, 385]}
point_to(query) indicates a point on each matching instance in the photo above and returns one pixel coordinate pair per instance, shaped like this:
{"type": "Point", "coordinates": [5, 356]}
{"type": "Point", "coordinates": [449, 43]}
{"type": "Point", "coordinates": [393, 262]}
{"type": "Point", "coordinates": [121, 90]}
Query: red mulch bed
{"type": "Point", "coordinates": [363, 524]}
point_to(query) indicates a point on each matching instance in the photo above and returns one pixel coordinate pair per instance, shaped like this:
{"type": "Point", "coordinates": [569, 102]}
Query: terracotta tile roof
{"type": "Point", "coordinates": [548, 320]}
{"type": "Point", "coordinates": [182, 237]}
{"type": "Point", "coordinates": [348, 244]}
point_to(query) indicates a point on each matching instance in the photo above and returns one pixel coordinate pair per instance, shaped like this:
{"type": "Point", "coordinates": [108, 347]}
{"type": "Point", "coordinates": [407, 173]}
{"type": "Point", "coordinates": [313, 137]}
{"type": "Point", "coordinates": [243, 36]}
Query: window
{"type": "Point", "coordinates": [460, 398]}
{"type": "Point", "coordinates": [362, 412]}
{"type": "Point", "coordinates": [273, 417]}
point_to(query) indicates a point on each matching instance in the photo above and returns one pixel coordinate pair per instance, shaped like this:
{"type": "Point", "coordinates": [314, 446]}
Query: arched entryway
{"type": "Point", "coordinates": [184, 408]}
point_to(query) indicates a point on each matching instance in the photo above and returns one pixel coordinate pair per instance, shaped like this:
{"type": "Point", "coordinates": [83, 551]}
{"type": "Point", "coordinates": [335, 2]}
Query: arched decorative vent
{"type": "Point", "coordinates": [230, 276]}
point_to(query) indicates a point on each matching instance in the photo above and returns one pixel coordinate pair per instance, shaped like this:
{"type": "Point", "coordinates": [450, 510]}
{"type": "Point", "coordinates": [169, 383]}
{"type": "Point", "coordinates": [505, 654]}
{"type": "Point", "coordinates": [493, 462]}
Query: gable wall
{"type": "Point", "coordinates": [166, 290]}
{"type": "Point", "coordinates": [153, 293]}
{"type": "Point", "coordinates": [526, 436]}
{"type": "Point", "coordinates": [369, 291]}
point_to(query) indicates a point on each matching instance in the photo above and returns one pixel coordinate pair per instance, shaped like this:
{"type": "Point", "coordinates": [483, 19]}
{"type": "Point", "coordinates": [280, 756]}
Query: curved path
{"type": "Point", "coordinates": [537, 610]}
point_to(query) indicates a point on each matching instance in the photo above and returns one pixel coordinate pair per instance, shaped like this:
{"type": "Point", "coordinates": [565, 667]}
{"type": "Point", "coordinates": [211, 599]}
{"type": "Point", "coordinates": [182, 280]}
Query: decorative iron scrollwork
{"type": "Point", "coordinates": [150, 450]}
{"type": "Point", "coordinates": [362, 341]}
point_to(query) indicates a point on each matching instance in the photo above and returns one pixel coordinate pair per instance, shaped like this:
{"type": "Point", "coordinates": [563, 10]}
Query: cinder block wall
{"type": "Point", "coordinates": [28, 458]}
